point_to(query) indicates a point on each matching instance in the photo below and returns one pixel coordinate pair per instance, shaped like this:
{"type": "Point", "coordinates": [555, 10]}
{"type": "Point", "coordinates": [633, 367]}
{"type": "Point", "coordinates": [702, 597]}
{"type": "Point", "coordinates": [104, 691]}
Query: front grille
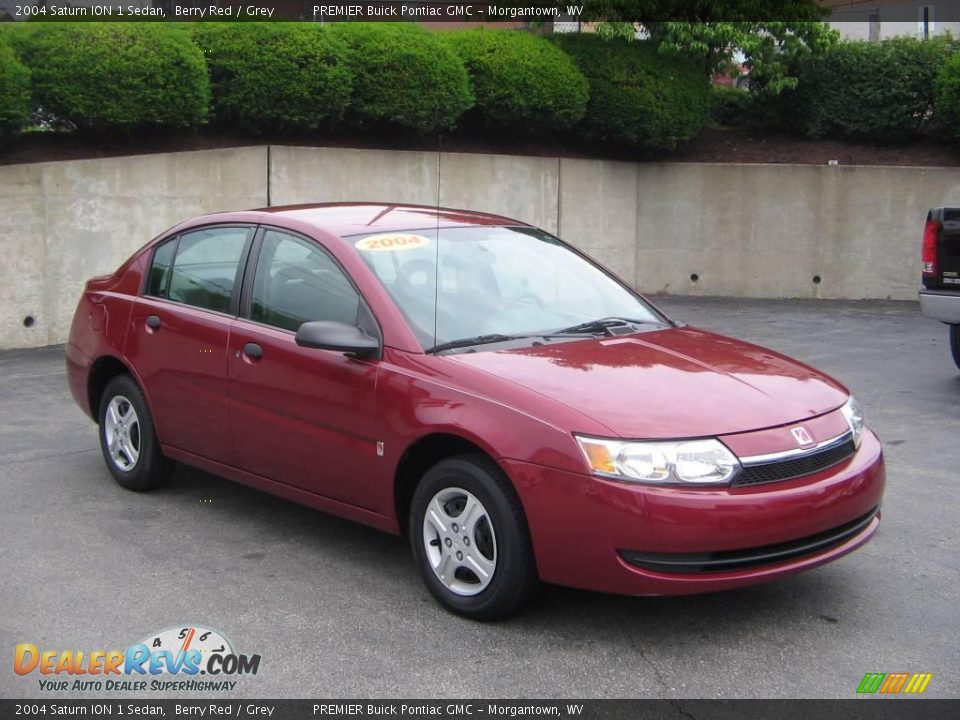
{"type": "Point", "coordinates": [806, 464]}
{"type": "Point", "coordinates": [726, 560]}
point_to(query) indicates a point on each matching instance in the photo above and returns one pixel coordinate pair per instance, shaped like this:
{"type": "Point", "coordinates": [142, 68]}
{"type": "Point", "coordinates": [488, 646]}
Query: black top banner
{"type": "Point", "coordinates": [287, 10]}
{"type": "Point", "coordinates": [906, 11]}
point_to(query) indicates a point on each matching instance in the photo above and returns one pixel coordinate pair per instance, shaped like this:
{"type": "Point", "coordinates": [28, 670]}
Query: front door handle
{"type": "Point", "coordinates": [253, 351]}
{"type": "Point", "coordinates": [153, 322]}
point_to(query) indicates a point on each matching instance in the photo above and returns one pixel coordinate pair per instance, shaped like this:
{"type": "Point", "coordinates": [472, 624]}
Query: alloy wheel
{"type": "Point", "coordinates": [459, 541]}
{"type": "Point", "coordinates": [121, 428]}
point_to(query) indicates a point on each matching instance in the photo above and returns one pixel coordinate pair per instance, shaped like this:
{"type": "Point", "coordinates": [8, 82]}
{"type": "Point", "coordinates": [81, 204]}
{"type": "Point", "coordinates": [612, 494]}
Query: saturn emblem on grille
{"type": "Point", "coordinates": [802, 436]}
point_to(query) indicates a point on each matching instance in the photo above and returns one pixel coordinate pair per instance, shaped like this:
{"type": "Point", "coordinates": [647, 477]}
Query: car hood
{"type": "Point", "coordinates": [672, 383]}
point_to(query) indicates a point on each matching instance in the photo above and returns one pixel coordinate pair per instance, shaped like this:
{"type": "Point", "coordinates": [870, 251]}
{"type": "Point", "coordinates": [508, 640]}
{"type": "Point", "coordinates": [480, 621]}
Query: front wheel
{"type": "Point", "coordinates": [470, 540]}
{"type": "Point", "coordinates": [127, 438]}
{"type": "Point", "coordinates": [955, 344]}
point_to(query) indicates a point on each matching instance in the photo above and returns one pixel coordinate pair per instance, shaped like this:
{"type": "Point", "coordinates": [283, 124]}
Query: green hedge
{"type": "Point", "coordinates": [948, 98]}
{"type": "Point", "coordinates": [730, 106]}
{"type": "Point", "coordinates": [874, 91]}
{"type": "Point", "coordinates": [275, 77]}
{"type": "Point", "coordinates": [103, 76]}
{"type": "Point", "coordinates": [520, 80]}
{"type": "Point", "coordinates": [638, 96]}
{"type": "Point", "coordinates": [14, 92]}
{"type": "Point", "coordinates": [403, 76]}
{"type": "Point", "coordinates": [384, 77]}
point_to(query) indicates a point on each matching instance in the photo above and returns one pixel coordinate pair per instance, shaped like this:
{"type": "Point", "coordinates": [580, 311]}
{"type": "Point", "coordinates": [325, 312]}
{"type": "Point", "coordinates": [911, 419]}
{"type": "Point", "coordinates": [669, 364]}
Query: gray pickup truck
{"type": "Point", "coordinates": [940, 295]}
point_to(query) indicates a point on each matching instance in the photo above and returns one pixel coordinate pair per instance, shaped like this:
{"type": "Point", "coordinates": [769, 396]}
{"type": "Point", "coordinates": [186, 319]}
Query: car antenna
{"type": "Point", "coordinates": [436, 265]}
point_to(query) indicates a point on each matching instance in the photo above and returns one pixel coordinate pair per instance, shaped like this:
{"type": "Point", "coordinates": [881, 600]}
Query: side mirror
{"type": "Point", "coordinates": [337, 336]}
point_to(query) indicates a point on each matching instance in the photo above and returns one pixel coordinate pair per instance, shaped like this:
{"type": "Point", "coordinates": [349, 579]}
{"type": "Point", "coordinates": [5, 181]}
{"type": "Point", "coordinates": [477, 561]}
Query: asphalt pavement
{"type": "Point", "coordinates": [336, 610]}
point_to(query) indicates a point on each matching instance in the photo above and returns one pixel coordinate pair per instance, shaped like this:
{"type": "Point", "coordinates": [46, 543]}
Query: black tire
{"type": "Point", "coordinates": [955, 344]}
{"type": "Point", "coordinates": [149, 469]}
{"type": "Point", "coordinates": [514, 578]}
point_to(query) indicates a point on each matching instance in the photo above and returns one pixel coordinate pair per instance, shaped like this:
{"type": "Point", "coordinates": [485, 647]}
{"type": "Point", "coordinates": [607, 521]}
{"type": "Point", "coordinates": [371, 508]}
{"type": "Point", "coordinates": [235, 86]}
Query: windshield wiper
{"type": "Point", "coordinates": [478, 340]}
{"type": "Point", "coordinates": [496, 337]}
{"type": "Point", "coordinates": [599, 326]}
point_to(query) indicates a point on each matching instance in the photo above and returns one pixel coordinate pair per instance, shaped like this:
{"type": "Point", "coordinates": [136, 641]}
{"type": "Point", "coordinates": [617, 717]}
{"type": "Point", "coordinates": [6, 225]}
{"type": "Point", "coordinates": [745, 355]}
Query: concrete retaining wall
{"type": "Point", "coordinates": [743, 230]}
{"type": "Point", "coordinates": [63, 222]}
{"type": "Point", "coordinates": [769, 230]}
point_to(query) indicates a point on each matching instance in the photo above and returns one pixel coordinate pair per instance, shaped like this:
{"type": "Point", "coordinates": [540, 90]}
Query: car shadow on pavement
{"type": "Point", "coordinates": [370, 556]}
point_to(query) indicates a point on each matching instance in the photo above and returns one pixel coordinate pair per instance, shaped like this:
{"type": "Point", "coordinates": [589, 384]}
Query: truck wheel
{"type": "Point", "coordinates": [955, 343]}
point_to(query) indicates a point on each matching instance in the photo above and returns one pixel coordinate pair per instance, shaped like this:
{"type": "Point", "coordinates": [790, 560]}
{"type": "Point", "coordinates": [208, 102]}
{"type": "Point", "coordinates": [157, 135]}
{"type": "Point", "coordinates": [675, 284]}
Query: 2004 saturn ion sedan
{"type": "Point", "coordinates": [471, 381]}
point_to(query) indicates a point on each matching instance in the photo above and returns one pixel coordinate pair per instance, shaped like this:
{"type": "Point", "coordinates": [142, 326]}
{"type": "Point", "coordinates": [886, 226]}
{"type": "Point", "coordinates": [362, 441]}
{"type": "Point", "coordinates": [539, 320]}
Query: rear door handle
{"type": "Point", "coordinates": [252, 350]}
{"type": "Point", "coordinates": [153, 322]}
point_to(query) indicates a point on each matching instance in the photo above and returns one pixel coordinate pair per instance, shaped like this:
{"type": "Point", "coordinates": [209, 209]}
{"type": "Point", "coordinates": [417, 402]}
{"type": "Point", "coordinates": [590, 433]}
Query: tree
{"type": "Point", "coordinates": [768, 33]}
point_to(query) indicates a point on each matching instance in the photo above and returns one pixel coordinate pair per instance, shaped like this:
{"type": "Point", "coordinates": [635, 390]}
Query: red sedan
{"type": "Point", "coordinates": [516, 410]}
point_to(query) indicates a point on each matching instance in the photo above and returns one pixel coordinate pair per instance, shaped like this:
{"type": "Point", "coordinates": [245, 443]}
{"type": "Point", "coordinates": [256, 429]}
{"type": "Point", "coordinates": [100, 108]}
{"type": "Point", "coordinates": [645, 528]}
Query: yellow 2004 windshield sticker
{"type": "Point", "coordinates": [391, 241]}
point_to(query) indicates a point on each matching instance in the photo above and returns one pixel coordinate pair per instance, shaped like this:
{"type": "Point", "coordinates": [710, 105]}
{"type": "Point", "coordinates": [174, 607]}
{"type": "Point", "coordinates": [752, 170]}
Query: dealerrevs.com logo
{"type": "Point", "coordinates": [169, 660]}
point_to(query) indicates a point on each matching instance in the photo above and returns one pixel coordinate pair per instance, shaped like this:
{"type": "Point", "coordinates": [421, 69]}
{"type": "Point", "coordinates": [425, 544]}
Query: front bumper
{"type": "Point", "coordinates": [941, 305]}
{"type": "Point", "coordinates": [584, 529]}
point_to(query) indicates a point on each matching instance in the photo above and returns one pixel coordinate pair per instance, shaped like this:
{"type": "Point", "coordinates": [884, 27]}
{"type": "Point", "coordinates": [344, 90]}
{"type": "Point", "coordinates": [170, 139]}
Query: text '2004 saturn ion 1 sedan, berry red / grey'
{"type": "Point", "coordinates": [473, 382]}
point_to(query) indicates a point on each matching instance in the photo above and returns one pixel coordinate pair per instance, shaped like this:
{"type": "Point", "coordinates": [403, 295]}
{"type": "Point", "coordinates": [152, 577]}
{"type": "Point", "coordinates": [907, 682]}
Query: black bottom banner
{"type": "Point", "coordinates": [855, 709]}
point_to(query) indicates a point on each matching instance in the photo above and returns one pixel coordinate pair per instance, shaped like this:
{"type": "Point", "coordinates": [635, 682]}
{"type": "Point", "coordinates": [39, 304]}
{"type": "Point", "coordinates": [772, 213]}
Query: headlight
{"type": "Point", "coordinates": [694, 462]}
{"type": "Point", "coordinates": [854, 415]}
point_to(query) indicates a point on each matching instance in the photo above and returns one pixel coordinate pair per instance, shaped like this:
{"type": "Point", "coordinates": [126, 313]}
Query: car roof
{"type": "Point", "coordinates": [355, 218]}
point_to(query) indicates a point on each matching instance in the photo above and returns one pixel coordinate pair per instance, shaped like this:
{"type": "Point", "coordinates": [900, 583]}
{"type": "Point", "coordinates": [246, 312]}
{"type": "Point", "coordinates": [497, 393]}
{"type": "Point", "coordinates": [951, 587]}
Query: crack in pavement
{"type": "Point", "coordinates": [652, 665]}
{"type": "Point", "coordinates": [4, 462]}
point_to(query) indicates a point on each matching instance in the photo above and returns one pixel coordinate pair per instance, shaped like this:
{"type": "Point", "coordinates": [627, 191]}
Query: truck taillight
{"type": "Point", "coordinates": [930, 232]}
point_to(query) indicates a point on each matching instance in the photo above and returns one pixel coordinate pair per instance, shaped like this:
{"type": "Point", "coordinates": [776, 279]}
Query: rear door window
{"type": "Point", "coordinates": [204, 269]}
{"type": "Point", "coordinates": [158, 280]}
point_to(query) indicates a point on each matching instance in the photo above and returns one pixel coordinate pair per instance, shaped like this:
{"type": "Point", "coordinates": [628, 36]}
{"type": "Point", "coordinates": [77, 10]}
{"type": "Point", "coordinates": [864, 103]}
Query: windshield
{"type": "Point", "coordinates": [484, 281]}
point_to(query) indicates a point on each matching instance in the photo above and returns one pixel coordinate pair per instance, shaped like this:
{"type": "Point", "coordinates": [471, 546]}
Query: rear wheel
{"type": "Point", "coordinates": [469, 538]}
{"type": "Point", "coordinates": [955, 343]}
{"type": "Point", "coordinates": [127, 438]}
